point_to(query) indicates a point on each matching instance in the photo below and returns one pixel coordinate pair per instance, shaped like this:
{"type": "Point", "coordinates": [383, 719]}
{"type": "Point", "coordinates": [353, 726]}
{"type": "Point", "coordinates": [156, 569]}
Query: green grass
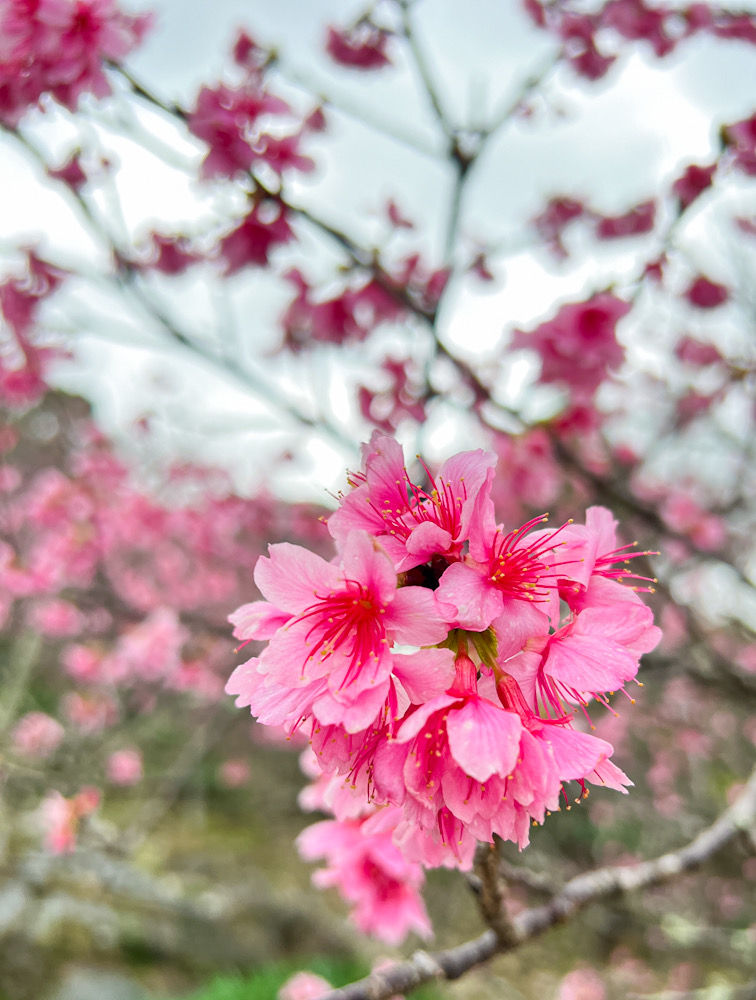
{"type": "Point", "coordinates": [264, 983]}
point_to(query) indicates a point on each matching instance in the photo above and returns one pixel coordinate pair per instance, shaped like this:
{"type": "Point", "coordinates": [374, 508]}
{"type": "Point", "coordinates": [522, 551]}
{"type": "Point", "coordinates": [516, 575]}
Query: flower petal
{"type": "Point", "coordinates": [483, 739]}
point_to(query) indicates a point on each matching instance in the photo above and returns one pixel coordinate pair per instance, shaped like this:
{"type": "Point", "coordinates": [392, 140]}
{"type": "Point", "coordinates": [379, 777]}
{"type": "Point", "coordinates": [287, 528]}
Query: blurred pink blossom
{"type": "Point", "coordinates": [124, 767]}
{"type": "Point", "coordinates": [304, 986]}
{"type": "Point", "coordinates": [37, 734]}
{"type": "Point", "coordinates": [234, 773]}
{"type": "Point", "coordinates": [581, 984]}
{"type": "Point", "coordinates": [61, 817]}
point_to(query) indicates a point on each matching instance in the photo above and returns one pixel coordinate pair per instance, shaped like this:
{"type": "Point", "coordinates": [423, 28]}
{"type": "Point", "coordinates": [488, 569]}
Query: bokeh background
{"type": "Point", "coordinates": [184, 417]}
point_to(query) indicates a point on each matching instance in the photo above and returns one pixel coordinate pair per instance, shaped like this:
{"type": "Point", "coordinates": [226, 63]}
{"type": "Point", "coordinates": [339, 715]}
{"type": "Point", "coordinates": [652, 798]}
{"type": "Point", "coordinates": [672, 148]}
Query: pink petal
{"type": "Point", "coordinates": [412, 725]}
{"type": "Point", "coordinates": [426, 539]}
{"type": "Point", "coordinates": [425, 674]}
{"type": "Point", "coordinates": [416, 618]}
{"type": "Point", "coordinates": [357, 714]}
{"type": "Point", "coordinates": [356, 513]}
{"type": "Point", "coordinates": [364, 561]}
{"type": "Point", "coordinates": [518, 622]}
{"type": "Point", "coordinates": [293, 577]}
{"type": "Point", "coordinates": [476, 600]}
{"type": "Point", "coordinates": [608, 774]}
{"type": "Point", "coordinates": [244, 681]}
{"type": "Point", "coordinates": [483, 739]}
{"type": "Point", "coordinates": [587, 663]}
{"type": "Point", "coordinates": [467, 471]}
{"type": "Point", "coordinates": [601, 522]}
{"type": "Point", "coordinates": [258, 620]}
{"type": "Point", "coordinates": [576, 754]}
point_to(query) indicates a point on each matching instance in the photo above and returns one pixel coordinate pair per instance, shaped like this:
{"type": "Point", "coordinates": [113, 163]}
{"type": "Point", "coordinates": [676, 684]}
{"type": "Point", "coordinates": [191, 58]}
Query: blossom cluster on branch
{"type": "Point", "coordinates": [472, 734]}
{"type": "Point", "coordinates": [447, 666]}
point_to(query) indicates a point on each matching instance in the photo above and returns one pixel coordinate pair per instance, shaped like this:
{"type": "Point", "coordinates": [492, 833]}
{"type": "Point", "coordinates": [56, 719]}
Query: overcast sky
{"type": "Point", "coordinates": [615, 143]}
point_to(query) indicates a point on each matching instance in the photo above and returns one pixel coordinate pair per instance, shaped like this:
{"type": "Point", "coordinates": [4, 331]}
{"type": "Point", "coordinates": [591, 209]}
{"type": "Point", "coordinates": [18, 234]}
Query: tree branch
{"type": "Point", "coordinates": [577, 894]}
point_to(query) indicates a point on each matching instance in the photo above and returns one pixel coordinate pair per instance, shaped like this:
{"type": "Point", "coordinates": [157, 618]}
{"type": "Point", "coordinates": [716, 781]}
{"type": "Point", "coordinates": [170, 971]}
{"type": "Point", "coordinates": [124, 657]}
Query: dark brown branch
{"type": "Point", "coordinates": [490, 895]}
{"type": "Point", "coordinates": [577, 894]}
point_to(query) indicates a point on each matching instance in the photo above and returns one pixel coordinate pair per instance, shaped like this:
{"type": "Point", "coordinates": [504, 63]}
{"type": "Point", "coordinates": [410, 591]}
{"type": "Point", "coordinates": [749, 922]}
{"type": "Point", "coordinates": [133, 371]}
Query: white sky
{"type": "Point", "coordinates": [614, 143]}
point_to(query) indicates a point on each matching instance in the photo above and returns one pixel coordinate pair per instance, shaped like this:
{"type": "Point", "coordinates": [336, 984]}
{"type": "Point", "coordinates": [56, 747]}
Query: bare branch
{"type": "Point", "coordinates": [577, 894]}
{"type": "Point", "coordinates": [490, 894]}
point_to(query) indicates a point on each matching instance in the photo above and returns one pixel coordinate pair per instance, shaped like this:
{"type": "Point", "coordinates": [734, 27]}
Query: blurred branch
{"type": "Point", "coordinates": [126, 277]}
{"type": "Point", "coordinates": [154, 809]}
{"type": "Point", "coordinates": [490, 894]}
{"type": "Point", "coordinates": [23, 658]}
{"type": "Point", "coordinates": [578, 893]}
{"type": "Point", "coordinates": [614, 493]}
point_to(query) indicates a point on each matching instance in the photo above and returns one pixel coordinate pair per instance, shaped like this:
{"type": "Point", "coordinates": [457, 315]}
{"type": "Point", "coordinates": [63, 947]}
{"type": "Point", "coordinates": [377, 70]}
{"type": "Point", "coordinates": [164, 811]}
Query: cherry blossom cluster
{"type": "Point", "coordinates": [439, 666]}
{"type": "Point", "coordinates": [126, 587]}
{"type": "Point", "coordinates": [23, 360]}
{"type": "Point", "coordinates": [59, 47]}
{"type": "Point", "coordinates": [578, 348]}
{"type": "Point", "coordinates": [663, 27]}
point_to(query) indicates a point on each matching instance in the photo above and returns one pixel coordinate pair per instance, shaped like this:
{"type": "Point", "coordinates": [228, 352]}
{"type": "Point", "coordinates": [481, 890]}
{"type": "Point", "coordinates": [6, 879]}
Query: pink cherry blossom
{"type": "Point", "coordinates": [706, 294]}
{"type": "Point", "coordinates": [333, 654]}
{"type": "Point", "coordinates": [124, 767]}
{"type": "Point", "coordinates": [37, 734]}
{"type": "Point", "coordinates": [371, 873]}
{"type": "Point", "coordinates": [251, 243]}
{"type": "Point", "coordinates": [70, 172]}
{"type": "Point", "coordinates": [59, 47]}
{"type": "Point", "coordinates": [224, 118]}
{"type": "Point", "coordinates": [579, 346]}
{"type": "Point", "coordinates": [741, 141]}
{"type": "Point", "coordinates": [693, 183]}
{"type": "Point", "coordinates": [457, 747]}
{"type": "Point", "coordinates": [555, 218]}
{"type": "Point", "coordinates": [414, 523]}
{"type": "Point", "coordinates": [61, 817]}
{"type": "Point", "coordinates": [360, 47]}
{"type": "Point", "coordinates": [640, 219]}
{"type": "Point", "coordinates": [304, 986]}
{"type": "Point", "coordinates": [503, 570]}
{"type": "Point", "coordinates": [234, 773]}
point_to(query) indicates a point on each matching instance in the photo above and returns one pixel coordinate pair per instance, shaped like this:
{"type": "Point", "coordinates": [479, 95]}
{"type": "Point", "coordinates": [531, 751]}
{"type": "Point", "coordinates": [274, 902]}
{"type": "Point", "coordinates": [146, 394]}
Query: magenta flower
{"type": "Point", "coordinates": [453, 748]}
{"type": "Point", "coordinates": [225, 118]}
{"type": "Point", "coordinates": [414, 523]}
{"type": "Point", "coordinates": [371, 873]}
{"type": "Point", "coordinates": [503, 571]}
{"type": "Point", "coordinates": [36, 734]}
{"type": "Point", "coordinates": [304, 986]}
{"type": "Point", "coordinates": [59, 47]}
{"type": "Point", "coordinates": [706, 294]}
{"type": "Point", "coordinates": [333, 654]}
{"type": "Point", "coordinates": [360, 47]}
{"type": "Point", "coordinates": [579, 345]}
{"type": "Point", "coordinates": [693, 183]}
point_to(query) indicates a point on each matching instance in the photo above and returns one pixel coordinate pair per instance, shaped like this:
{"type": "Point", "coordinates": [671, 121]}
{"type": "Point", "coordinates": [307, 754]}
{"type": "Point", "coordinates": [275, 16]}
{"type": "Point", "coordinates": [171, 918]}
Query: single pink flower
{"type": "Point", "coordinates": [414, 523]}
{"type": "Point", "coordinates": [579, 345]}
{"type": "Point", "coordinates": [693, 183]}
{"type": "Point", "coordinates": [304, 986]}
{"type": "Point", "coordinates": [61, 818]}
{"type": "Point", "coordinates": [706, 294]}
{"type": "Point", "coordinates": [37, 734]}
{"type": "Point", "coordinates": [124, 767]}
{"type": "Point", "coordinates": [332, 657]}
{"type": "Point", "coordinates": [503, 571]}
{"type": "Point", "coordinates": [371, 873]}
{"type": "Point", "coordinates": [360, 47]}
{"type": "Point", "coordinates": [640, 219]}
